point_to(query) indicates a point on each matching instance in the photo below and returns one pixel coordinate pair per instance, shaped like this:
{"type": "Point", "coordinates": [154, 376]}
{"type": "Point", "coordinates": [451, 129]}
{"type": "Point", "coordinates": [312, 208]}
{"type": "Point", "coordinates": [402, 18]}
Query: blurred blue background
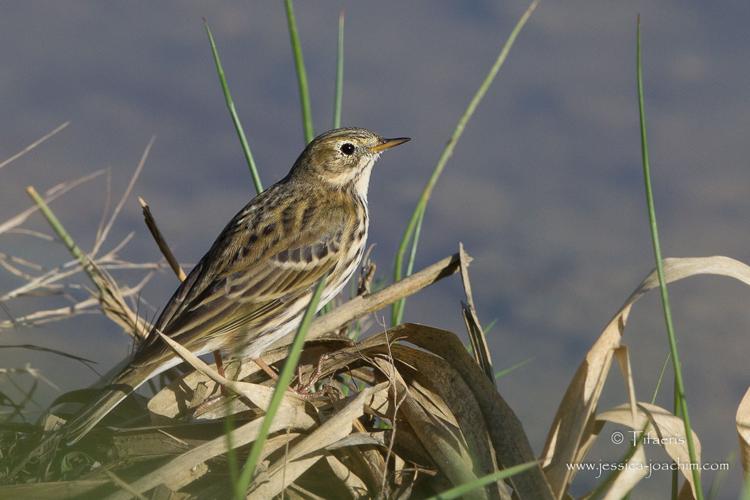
{"type": "Point", "coordinates": [545, 188]}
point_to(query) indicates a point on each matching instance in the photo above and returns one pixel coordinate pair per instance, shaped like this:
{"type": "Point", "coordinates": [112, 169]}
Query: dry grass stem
{"type": "Point", "coordinates": [476, 335]}
{"type": "Point", "coordinates": [160, 241]}
{"type": "Point", "coordinates": [34, 145]}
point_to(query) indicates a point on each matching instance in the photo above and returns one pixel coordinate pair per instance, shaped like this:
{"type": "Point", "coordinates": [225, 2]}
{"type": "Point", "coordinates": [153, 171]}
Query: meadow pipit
{"type": "Point", "coordinates": [253, 285]}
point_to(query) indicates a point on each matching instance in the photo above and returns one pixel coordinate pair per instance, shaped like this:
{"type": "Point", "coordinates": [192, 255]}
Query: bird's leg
{"type": "Point", "coordinates": [264, 366]}
{"type": "Point", "coordinates": [220, 369]}
{"type": "Point", "coordinates": [317, 373]}
{"type": "Point", "coordinates": [219, 362]}
{"type": "Point", "coordinates": [304, 388]}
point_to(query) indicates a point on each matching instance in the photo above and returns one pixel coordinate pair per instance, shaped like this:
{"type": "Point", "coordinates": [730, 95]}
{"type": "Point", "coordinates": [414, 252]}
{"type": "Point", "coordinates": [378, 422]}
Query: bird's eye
{"type": "Point", "coordinates": [347, 148]}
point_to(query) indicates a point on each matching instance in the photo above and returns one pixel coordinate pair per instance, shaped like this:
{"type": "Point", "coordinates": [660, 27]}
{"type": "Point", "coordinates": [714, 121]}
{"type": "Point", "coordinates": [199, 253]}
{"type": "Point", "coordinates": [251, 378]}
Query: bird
{"type": "Point", "coordinates": [253, 285]}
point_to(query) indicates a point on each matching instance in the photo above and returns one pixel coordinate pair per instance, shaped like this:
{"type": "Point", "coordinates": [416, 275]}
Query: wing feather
{"type": "Point", "coordinates": [256, 266]}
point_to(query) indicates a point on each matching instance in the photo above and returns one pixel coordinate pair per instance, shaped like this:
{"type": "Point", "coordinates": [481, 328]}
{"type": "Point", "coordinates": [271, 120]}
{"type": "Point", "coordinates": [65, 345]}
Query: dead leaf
{"type": "Point", "coordinates": [743, 432]}
{"type": "Point", "coordinates": [569, 427]}
{"type": "Point", "coordinates": [661, 428]}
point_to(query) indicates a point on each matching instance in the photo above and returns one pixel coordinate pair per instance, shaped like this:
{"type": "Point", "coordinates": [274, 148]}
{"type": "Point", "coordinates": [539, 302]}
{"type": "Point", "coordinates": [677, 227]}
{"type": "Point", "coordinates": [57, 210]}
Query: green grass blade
{"type": "Point", "coordinates": [489, 326]}
{"type": "Point", "coordinates": [676, 363]}
{"type": "Point", "coordinates": [299, 64]}
{"type": "Point", "coordinates": [660, 378]}
{"type": "Point", "coordinates": [448, 150]}
{"type": "Point", "coordinates": [233, 111]}
{"type": "Point", "coordinates": [232, 463]}
{"type": "Point", "coordinates": [67, 240]}
{"type": "Point", "coordinates": [720, 478]}
{"type": "Point", "coordinates": [746, 490]}
{"type": "Point", "coordinates": [337, 95]}
{"type": "Point", "coordinates": [285, 377]}
{"type": "Point", "coordinates": [339, 89]}
{"type": "Point", "coordinates": [507, 371]}
{"type": "Point", "coordinates": [463, 489]}
{"type": "Point", "coordinates": [397, 315]}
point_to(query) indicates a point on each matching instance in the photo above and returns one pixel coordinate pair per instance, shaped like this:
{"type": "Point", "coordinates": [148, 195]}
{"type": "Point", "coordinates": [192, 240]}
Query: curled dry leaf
{"type": "Point", "coordinates": [445, 447]}
{"type": "Point", "coordinates": [506, 433]}
{"type": "Point", "coordinates": [354, 484]}
{"type": "Point", "coordinates": [479, 346]}
{"type": "Point", "coordinates": [635, 469]}
{"type": "Point", "coordinates": [622, 355]}
{"type": "Point", "coordinates": [743, 432]}
{"type": "Point", "coordinates": [259, 395]}
{"type": "Point", "coordinates": [286, 418]}
{"type": "Point", "coordinates": [310, 449]}
{"type": "Point", "coordinates": [197, 387]}
{"type": "Point", "coordinates": [434, 380]}
{"type": "Point", "coordinates": [571, 426]}
{"type": "Point", "coordinates": [659, 426]}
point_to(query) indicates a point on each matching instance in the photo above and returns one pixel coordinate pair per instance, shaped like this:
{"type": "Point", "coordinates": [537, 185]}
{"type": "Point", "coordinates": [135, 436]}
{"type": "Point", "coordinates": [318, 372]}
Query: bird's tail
{"type": "Point", "coordinates": [127, 381]}
{"type": "Point", "coordinates": [124, 383]}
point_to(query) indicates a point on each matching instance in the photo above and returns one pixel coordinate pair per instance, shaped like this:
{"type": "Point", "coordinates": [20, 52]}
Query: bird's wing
{"type": "Point", "coordinates": [259, 263]}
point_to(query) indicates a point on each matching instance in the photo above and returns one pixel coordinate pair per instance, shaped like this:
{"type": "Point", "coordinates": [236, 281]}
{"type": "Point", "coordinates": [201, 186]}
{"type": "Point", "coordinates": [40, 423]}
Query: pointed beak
{"type": "Point", "coordinates": [389, 143]}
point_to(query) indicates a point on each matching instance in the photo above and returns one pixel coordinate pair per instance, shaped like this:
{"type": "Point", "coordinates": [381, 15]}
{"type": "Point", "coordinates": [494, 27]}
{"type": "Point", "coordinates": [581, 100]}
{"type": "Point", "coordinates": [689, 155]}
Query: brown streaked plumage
{"type": "Point", "coordinates": [252, 286]}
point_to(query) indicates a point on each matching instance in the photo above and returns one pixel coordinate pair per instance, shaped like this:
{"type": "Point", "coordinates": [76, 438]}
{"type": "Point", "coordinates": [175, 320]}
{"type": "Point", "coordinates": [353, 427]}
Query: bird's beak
{"type": "Point", "coordinates": [389, 143]}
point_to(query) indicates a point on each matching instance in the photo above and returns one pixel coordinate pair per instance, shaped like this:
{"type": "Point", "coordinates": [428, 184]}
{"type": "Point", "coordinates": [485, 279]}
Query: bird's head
{"type": "Point", "coordinates": [344, 157]}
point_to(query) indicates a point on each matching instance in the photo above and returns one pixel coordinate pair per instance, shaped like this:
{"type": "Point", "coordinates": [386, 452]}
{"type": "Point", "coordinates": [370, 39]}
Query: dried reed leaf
{"type": "Point", "coordinates": [568, 430]}
{"type": "Point", "coordinates": [356, 486]}
{"type": "Point", "coordinates": [446, 384]}
{"type": "Point", "coordinates": [164, 493]}
{"type": "Point", "coordinates": [318, 482]}
{"type": "Point", "coordinates": [636, 468]}
{"type": "Point", "coordinates": [297, 492]}
{"type": "Point", "coordinates": [479, 346]}
{"type": "Point", "coordinates": [52, 490]}
{"type": "Point", "coordinates": [123, 485]}
{"type": "Point", "coordinates": [431, 402]}
{"type": "Point", "coordinates": [660, 426]}
{"type": "Point", "coordinates": [359, 439]}
{"type": "Point", "coordinates": [183, 393]}
{"type": "Point", "coordinates": [180, 480]}
{"type": "Point", "coordinates": [281, 440]}
{"type": "Point", "coordinates": [506, 432]}
{"type": "Point", "coordinates": [259, 395]}
{"type": "Point", "coordinates": [210, 404]}
{"type": "Point", "coordinates": [286, 418]}
{"type": "Point", "coordinates": [148, 442]}
{"type": "Point", "coordinates": [365, 304]}
{"type": "Point", "coordinates": [446, 390]}
{"type": "Point", "coordinates": [623, 361]}
{"type": "Point", "coordinates": [380, 404]}
{"type": "Point", "coordinates": [743, 432]}
{"type": "Point", "coordinates": [409, 447]}
{"type": "Point", "coordinates": [446, 448]}
{"type": "Point", "coordinates": [311, 448]}
{"type": "Point", "coordinates": [170, 401]}
{"type": "Point", "coordinates": [367, 464]}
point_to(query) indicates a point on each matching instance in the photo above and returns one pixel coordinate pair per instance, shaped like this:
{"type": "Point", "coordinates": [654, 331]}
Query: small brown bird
{"type": "Point", "coordinates": [253, 285]}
